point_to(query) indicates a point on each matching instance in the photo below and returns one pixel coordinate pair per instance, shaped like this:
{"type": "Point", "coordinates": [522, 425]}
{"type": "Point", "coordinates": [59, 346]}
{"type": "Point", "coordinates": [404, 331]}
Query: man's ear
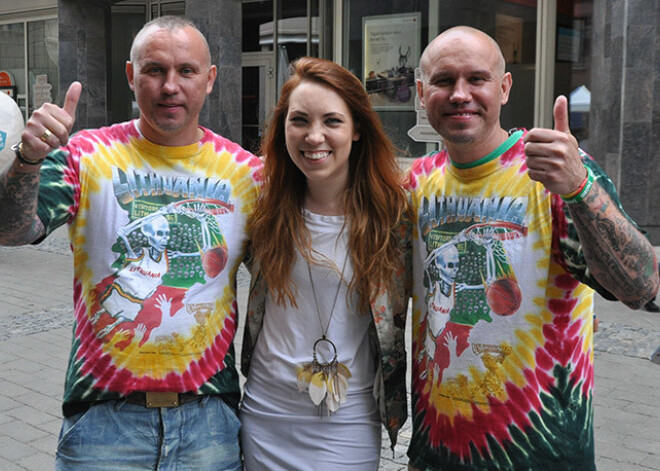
{"type": "Point", "coordinates": [420, 92]}
{"type": "Point", "coordinates": [213, 72]}
{"type": "Point", "coordinates": [507, 83]}
{"type": "Point", "coordinates": [129, 74]}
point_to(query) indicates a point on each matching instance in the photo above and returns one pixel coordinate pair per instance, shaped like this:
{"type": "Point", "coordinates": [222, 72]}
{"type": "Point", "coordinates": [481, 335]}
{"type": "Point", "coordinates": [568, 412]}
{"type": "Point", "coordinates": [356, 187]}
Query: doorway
{"type": "Point", "coordinates": [275, 33]}
{"type": "Point", "coordinates": [258, 97]}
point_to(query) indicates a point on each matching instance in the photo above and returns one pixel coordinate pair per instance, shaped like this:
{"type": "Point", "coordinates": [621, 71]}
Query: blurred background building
{"type": "Point", "coordinates": [603, 55]}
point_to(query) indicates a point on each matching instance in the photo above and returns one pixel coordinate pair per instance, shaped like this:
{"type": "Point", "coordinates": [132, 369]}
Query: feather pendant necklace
{"type": "Point", "coordinates": [327, 382]}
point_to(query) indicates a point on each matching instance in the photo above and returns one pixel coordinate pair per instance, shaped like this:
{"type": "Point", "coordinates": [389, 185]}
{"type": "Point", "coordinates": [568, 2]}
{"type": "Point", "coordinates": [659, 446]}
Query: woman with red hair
{"type": "Point", "coordinates": [324, 339]}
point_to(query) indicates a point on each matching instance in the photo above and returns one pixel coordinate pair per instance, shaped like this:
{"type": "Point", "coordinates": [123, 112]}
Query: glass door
{"type": "Point", "coordinates": [275, 33]}
{"type": "Point", "coordinates": [258, 97]}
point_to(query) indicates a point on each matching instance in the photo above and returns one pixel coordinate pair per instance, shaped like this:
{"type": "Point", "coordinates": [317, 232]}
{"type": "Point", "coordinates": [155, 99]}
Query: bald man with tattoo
{"type": "Point", "coordinates": [503, 378]}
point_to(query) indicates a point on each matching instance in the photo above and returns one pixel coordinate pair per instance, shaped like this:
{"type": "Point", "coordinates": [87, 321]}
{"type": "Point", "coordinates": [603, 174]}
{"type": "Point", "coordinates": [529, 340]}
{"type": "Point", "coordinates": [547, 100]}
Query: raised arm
{"type": "Point", "coordinates": [47, 129]}
{"type": "Point", "coordinates": [618, 255]}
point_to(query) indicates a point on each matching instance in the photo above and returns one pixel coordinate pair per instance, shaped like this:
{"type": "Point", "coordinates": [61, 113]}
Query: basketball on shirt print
{"type": "Point", "coordinates": [503, 296]}
{"type": "Point", "coordinates": [214, 261]}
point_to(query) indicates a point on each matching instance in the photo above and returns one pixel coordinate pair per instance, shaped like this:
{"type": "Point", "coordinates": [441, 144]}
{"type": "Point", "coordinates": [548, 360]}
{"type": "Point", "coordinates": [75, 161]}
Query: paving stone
{"type": "Point", "coordinates": [35, 342]}
{"type": "Point", "coordinates": [13, 450]}
{"type": "Point", "coordinates": [38, 461]}
{"type": "Point", "coordinates": [48, 444]}
{"type": "Point", "coordinates": [9, 466]}
{"type": "Point", "coordinates": [24, 433]}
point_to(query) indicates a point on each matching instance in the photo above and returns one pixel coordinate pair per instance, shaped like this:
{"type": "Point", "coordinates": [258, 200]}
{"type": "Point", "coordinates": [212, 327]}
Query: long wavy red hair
{"type": "Point", "coordinates": [374, 201]}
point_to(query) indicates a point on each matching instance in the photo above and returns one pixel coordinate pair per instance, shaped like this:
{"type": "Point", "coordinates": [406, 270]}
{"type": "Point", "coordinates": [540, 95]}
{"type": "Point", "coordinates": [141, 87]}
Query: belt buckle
{"type": "Point", "coordinates": [161, 399]}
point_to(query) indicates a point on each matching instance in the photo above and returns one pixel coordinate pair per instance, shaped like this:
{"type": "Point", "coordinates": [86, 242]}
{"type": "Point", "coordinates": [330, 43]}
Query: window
{"type": "Point", "coordinates": [29, 53]}
{"type": "Point", "coordinates": [163, 7]}
{"type": "Point", "coordinates": [43, 62]}
{"type": "Point", "coordinates": [390, 75]}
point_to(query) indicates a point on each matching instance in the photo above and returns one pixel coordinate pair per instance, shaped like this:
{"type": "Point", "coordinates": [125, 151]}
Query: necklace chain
{"type": "Point", "coordinates": [324, 332]}
{"type": "Point", "coordinates": [326, 382]}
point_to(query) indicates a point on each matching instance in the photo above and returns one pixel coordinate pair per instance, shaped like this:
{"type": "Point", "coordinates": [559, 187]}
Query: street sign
{"type": "Point", "coordinates": [422, 118]}
{"type": "Point", "coordinates": [424, 133]}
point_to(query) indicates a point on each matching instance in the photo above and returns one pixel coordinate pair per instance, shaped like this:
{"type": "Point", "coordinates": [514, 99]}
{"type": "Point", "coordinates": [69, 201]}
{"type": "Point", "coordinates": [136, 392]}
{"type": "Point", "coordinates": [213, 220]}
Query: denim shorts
{"type": "Point", "coordinates": [114, 435]}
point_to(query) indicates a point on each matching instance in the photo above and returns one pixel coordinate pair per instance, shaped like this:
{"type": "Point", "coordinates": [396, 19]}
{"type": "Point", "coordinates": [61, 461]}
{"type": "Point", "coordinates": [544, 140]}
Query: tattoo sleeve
{"type": "Point", "coordinates": [618, 255]}
{"type": "Point", "coordinates": [19, 223]}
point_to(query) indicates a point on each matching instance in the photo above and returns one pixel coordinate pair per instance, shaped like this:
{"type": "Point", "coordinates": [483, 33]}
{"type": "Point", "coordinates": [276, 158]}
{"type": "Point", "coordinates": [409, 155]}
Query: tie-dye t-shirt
{"type": "Point", "coordinates": [157, 235]}
{"type": "Point", "coordinates": [502, 375]}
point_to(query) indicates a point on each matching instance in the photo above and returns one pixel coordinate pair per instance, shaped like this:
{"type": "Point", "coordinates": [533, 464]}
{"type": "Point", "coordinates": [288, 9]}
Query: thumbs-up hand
{"type": "Point", "coordinates": [552, 155]}
{"type": "Point", "coordinates": [49, 126]}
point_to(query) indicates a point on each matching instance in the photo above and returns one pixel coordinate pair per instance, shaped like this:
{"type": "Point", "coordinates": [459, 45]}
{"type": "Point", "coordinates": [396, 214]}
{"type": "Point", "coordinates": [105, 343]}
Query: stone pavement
{"type": "Point", "coordinates": [35, 335]}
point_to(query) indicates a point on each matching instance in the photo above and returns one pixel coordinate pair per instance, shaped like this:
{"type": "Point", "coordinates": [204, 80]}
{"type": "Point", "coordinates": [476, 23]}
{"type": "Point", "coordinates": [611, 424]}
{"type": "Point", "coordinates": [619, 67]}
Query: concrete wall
{"type": "Point", "coordinates": [83, 57]}
{"type": "Point", "coordinates": [83, 39]}
{"type": "Point", "coordinates": [625, 107]}
{"type": "Point", "coordinates": [220, 22]}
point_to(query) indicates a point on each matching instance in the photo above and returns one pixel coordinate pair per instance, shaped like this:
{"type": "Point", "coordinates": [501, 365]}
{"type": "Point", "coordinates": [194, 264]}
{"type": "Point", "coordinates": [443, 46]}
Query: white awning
{"type": "Point", "coordinates": [580, 100]}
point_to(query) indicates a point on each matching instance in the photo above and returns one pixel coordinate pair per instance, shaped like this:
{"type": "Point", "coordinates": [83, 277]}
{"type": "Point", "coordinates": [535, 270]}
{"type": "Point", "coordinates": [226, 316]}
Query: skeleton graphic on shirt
{"type": "Point", "coordinates": [441, 271]}
{"type": "Point", "coordinates": [143, 270]}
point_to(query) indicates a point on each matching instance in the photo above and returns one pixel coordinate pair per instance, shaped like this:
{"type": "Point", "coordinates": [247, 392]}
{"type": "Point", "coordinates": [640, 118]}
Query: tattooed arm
{"type": "Point", "coordinates": [19, 188]}
{"type": "Point", "coordinates": [47, 129]}
{"type": "Point", "coordinates": [618, 255]}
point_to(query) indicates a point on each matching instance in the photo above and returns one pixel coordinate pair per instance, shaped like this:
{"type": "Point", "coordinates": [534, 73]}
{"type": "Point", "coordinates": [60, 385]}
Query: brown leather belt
{"type": "Point", "coordinates": [161, 399]}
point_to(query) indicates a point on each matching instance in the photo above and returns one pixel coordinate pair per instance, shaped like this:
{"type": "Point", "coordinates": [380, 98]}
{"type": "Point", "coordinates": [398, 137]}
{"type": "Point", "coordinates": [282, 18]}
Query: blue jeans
{"type": "Point", "coordinates": [114, 436]}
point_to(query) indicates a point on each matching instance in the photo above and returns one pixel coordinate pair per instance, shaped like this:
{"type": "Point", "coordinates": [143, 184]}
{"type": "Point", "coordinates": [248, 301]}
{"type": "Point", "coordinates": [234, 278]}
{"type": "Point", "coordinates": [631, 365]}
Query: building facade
{"type": "Point", "coordinates": [603, 55]}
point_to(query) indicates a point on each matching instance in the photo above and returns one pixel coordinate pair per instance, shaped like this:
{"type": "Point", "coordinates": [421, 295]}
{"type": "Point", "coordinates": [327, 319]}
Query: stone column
{"type": "Point", "coordinates": [82, 57]}
{"type": "Point", "coordinates": [624, 131]}
{"type": "Point", "coordinates": [220, 22]}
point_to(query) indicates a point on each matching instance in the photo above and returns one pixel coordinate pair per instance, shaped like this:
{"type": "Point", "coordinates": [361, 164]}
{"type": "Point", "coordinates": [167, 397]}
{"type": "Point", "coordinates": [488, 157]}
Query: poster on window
{"type": "Point", "coordinates": [391, 53]}
{"type": "Point", "coordinates": [509, 34]}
